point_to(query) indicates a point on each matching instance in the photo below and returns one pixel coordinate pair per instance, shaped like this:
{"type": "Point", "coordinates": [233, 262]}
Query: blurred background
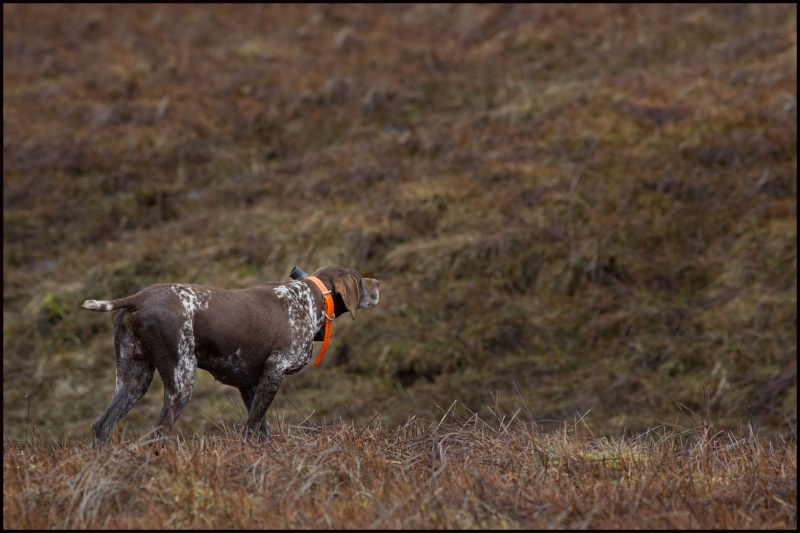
{"type": "Point", "coordinates": [579, 211]}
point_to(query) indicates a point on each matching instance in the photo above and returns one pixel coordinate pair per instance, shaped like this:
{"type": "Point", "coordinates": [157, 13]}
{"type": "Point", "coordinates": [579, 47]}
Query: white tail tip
{"type": "Point", "coordinates": [97, 305]}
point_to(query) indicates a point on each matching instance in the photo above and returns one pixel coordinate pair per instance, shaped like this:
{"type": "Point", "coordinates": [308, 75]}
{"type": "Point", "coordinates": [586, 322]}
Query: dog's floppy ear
{"type": "Point", "coordinates": [347, 286]}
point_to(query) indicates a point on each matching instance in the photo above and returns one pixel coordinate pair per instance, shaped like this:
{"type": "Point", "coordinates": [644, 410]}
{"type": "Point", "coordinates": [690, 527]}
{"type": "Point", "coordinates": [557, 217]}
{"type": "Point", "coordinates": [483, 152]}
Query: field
{"type": "Point", "coordinates": [452, 474]}
{"type": "Point", "coordinates": [583, 218]}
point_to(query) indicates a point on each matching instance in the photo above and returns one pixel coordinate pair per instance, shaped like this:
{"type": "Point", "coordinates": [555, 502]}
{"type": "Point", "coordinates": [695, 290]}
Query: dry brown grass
{"type": "Point", "coordinates": [454, 473]}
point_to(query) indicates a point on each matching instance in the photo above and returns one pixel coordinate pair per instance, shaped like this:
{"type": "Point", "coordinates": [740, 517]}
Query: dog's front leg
{"type": "Point", "coordinates": [257, 425]}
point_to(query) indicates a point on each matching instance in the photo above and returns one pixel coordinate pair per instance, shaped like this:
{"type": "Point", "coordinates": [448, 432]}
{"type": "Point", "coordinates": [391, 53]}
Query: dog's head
{"type": "Point", "coordinates": [352, 291]}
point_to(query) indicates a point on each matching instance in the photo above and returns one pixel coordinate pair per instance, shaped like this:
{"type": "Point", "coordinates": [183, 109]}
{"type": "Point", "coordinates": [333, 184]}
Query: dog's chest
{"type": "Point", "coordinates": [303, 320]}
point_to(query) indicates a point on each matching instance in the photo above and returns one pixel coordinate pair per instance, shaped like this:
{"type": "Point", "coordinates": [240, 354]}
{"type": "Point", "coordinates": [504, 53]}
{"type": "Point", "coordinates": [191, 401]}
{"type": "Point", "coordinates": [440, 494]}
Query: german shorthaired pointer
{"type": "Point", "coordinates": [247, 338]}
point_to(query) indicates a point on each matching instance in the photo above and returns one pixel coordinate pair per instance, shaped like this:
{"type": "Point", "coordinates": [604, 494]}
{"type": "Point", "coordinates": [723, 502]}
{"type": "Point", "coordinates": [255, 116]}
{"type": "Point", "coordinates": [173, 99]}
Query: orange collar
{"type": "Point", "coordinates": [329, 316]}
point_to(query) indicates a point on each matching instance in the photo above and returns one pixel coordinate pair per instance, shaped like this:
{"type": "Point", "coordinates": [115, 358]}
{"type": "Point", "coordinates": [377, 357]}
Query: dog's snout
{"type": "Point", "coordinates": [371, 293]}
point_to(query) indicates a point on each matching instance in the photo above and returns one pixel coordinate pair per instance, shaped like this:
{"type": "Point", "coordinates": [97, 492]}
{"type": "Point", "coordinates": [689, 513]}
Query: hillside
{"type": "Point", "coordinates": [587, 210]}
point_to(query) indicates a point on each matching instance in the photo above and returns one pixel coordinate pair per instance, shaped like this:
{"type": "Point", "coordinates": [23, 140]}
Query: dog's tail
{"type": "Point", "coordinates": [110, 305]}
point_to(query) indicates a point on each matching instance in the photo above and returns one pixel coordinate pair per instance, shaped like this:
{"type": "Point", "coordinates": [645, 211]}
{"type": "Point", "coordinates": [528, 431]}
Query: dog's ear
{"type": "Point", "coordinates": [347, 286]}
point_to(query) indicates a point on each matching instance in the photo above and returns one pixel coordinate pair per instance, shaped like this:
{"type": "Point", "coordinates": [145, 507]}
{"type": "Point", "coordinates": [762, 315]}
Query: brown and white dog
{"type": "Point", "coordinates": [248, 338]}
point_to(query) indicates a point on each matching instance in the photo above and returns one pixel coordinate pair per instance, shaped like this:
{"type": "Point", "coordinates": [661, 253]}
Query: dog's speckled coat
{"type": "Point", "coordinates": [247, 338]}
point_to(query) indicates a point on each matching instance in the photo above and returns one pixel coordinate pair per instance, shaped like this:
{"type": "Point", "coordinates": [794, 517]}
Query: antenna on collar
{"type": "Point", "coordinates": [296, 273]}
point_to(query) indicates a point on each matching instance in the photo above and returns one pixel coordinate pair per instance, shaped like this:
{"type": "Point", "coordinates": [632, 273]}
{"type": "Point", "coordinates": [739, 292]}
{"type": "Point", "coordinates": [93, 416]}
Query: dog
{"type": "Point", "coordinates": [248, 339]}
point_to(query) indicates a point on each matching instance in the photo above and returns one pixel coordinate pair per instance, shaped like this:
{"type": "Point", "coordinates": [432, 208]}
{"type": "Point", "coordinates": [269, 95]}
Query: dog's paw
{"type": "Point", "coordinates": [262, 434]}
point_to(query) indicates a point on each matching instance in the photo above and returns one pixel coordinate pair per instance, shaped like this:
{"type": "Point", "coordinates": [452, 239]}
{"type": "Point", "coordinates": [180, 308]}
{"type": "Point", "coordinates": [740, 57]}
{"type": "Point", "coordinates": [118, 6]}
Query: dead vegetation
{"type": "Point", "coordinates": [458, 472]}
{"type": "Point", "coordinates": [593, 208]}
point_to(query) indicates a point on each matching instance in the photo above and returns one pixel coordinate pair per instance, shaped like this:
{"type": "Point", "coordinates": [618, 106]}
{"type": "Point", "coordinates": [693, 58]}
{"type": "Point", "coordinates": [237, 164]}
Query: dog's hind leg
{"type": "Point", "coordinates": [134, 375]}
{"type": "Point", "coordinates": [177, 393]}
{"type": "Point", "coordinates": [247, 396]}
{"type": "Point", "coordinates": [178, 376]}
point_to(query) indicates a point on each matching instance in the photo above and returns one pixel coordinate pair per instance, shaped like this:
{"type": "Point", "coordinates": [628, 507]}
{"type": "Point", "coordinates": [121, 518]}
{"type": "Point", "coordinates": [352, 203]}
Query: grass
{"type": "Point", "coordinates": [456, 472]}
